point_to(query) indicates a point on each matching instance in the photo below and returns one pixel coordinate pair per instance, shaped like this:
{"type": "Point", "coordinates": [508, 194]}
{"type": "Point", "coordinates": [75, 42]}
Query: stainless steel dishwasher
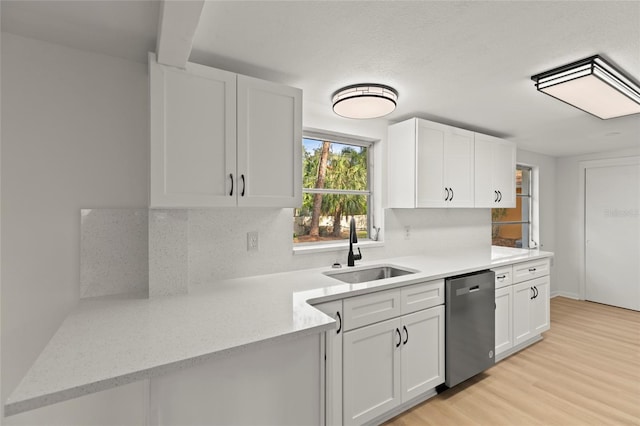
{"type": "Point", "coordinates": [469, 325]}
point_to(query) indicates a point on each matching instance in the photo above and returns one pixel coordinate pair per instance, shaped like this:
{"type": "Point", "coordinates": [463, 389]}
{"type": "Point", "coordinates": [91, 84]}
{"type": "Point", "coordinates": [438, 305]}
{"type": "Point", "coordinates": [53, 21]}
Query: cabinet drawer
{"type": "Point", "coordinates": [416, 297]}
{"type": "Point", "coordinates": [504, 276]}
{"type": "Point", "coordinates": [529, 270]}
{"type": "Point", "coordinates": [370, 308]}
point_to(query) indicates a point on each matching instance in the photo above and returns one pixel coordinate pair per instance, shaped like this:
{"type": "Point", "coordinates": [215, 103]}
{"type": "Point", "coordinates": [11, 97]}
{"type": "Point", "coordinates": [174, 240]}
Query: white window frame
{"type": "Point", "coordinates": [533, 227]}
{"type": "Point", "coordinates": [373, 230]}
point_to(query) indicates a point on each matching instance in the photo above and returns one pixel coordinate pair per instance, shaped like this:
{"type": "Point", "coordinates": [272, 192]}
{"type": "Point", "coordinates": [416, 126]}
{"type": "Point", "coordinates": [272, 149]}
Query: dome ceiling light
{"type": "Point", "coordinates": [364, 101]}
{"type": "Point", "coordinates": [592, 85]}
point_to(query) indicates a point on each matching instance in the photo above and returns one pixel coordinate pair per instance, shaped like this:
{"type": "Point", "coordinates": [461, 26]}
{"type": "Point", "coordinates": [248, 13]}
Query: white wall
{"type": "Point", "coordinates": [567, 213]}
{"type": "Point", "coordinates": [217, 237]}
{"type": "Point", "coordinates": [547, 183]}
{"type": "Point", "coordinates": [74, 135]}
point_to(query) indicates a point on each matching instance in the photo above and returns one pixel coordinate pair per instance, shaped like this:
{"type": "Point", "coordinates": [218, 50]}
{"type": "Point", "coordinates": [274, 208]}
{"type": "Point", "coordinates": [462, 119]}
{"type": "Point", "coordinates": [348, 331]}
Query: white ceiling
{"type": "Point", "coordinates": [462, 63]}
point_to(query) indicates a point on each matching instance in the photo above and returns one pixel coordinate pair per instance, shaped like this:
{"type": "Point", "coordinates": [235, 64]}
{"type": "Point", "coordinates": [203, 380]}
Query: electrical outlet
{"type": "Point", "coordinates": [407, 232]}
{"type": "Point", "coordinates": [252, 241]}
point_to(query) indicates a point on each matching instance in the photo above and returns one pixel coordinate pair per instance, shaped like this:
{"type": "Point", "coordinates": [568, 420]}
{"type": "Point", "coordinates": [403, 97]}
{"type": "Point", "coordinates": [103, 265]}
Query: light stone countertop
{"type": "Point", "coordinates": [110, 341]}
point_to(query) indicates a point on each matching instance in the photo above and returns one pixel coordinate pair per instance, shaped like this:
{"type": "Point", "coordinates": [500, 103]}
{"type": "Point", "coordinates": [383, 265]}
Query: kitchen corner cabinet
{"type": "Point", "coordinates": [495, 166]}
{"type": "Point", "coordinates": [221, 139]}
{"type": "Point", "coordinates": [429, 165]}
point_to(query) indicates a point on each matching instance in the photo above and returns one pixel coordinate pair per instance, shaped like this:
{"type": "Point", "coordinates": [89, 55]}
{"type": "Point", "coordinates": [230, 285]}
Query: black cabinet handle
{"type": "Point", "coordinates": [447, 197]}
{"type": "Point", "coordinates": [339, 322]}
{"type": "Point", "coordinates": [500, 196]}
{"type": "Point", "coordinates": [406, 332]}
{"type": "Point", "coordinates": [231, 177]}
{"type": "Point", "coordinates": [532, 269]}
{"type": "Point", "coordinates": [535, 289]}
{"type": "Point", "coordinates": [451, 199]}
{"type": "Point", "coordinates": [501, 277]}
{"type": "Point", "coordinates": [243, 186]}
{"type": "Point", "coordinates": [532, 293]}
{"type": "Point", "coordinates": [399, 338]}
{"type": "Point", "coordinates": [495, 200]}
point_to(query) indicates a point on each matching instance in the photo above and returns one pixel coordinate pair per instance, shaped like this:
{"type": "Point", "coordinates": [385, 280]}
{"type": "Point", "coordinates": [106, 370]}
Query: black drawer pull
{"type": "Point", "coordinates": [501, 277]}
{"type": "Point", "coordinates": [231, 177]}
{"type": "Point", "coordinates": [532, 269]}
{"type": "Point", "coordinates": [339, 322]}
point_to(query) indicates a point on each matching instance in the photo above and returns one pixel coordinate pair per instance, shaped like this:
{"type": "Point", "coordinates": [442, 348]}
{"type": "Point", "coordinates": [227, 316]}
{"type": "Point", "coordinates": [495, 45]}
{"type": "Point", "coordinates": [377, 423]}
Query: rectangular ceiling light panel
{"type": "Point", "coordinates": [592, 85]}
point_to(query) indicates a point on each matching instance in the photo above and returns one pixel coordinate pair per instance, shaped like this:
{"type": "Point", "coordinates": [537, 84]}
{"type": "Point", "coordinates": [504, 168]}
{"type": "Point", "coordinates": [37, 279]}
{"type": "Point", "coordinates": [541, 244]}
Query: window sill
{"type": "Point", "coordinates": [337, 246]}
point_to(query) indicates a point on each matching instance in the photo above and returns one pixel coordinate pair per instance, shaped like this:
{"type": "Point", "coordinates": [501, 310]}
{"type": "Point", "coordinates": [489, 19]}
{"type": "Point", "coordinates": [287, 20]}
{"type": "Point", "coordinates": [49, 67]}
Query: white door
{"type": "Point", "coordinates": [612, 235]}
{"type": "Point", "coordinates": [371, 365]}
{"type": "Point", "coordinates": [422, 351]}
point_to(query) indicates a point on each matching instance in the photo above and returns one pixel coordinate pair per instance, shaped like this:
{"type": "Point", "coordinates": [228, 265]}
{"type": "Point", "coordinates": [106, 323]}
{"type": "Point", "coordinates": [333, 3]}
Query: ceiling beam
{"type": "Point", "coordinates": [176, 30]}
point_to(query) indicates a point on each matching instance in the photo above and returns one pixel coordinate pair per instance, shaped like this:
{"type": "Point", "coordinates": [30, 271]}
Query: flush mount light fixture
{"type": "Point", "coordinates": [364, 101]}
{"type": "Point", "coordinates": [592, 85]}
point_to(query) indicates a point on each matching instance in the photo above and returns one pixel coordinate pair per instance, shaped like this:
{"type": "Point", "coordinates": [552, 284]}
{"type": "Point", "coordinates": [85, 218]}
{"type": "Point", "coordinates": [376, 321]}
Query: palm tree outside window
{"type": "Point", "coordinates": [336, 186]}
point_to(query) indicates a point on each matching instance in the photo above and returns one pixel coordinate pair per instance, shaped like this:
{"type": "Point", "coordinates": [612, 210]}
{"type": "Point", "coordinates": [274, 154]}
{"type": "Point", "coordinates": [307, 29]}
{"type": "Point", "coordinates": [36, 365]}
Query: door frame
{"type": "Point", "coordinates": [582, 202]}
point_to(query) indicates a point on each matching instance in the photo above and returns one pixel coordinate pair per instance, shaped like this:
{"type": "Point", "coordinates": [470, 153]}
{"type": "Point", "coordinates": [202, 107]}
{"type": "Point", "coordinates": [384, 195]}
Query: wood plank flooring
{"type": "Point", "coordinates": [586, 371]}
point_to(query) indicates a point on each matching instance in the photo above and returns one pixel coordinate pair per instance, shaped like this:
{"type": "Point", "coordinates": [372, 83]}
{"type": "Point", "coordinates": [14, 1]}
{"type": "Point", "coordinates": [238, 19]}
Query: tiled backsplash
{"type": "Point", "coordinates": [162, 252]}
{"type": "Point", "coordinates": [114, 255]}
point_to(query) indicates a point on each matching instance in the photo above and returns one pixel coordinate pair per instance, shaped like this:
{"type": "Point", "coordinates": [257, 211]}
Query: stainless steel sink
{"type": "Point", "coordinates": [364, 275]}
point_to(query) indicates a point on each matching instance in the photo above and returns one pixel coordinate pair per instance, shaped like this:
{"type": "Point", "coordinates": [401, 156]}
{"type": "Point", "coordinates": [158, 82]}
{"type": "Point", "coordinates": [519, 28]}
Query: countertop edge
{"type": "Point", "coordinates": [21, 406]}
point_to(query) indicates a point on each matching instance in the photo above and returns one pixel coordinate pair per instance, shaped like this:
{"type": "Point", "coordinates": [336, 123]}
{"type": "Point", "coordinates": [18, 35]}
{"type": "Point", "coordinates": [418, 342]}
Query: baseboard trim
{"type": "Point", "coordinates": [518, 348]}
{"type": "Point", "coordinates": [566, 294]}
{"type": "Point", "coordinates": [403, 407]}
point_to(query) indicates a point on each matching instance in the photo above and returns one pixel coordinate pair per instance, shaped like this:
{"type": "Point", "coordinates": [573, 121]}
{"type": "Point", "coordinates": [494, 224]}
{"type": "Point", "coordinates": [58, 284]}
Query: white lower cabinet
{"type": "Point", "coordinates": [522, 308]}
{"type": "Point", "coordinates": [391, 362]}
{"type": "Point", "coordinates": [504, 325]}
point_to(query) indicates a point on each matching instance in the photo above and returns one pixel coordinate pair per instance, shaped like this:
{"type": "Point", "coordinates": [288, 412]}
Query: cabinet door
{"type": "Point", "coordinates": [504, 172]}
{"type": "Point", "coordinates": [430, 140]}
{"type": "Point", "coordinates": [371, 365]}
{"type": "Point", "coordinates": [485, 195]}
{"type": "Point", "coordinates": [540, 320]}
{"type": "Point", "coordinates": [193, 136]}
{"type": "Point", "coordinates": [269, 144]}
{"type": "Point", "coordinates": [333, 364]}
{"type": "Point", "coordinates": [504, 312]}
{"type": "Point", "coordinates": [495, 168]}
{"type": "Point", "coordinates": [458, 167]}
{"type": "Point", "coordinates": [422, 351]}
{"type": "Point", "coordinates": [522, 305]}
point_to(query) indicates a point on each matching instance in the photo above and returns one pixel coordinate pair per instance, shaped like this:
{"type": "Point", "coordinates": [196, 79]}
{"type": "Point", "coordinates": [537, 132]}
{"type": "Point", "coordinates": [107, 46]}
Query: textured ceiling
{"type": "Point", "coordinates": [463, 63]}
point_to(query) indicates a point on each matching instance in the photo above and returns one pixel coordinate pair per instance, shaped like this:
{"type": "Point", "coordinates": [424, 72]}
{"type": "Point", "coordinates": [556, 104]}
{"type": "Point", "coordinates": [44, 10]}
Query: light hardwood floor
{"type": "Point", "coordinates": [586, 371]}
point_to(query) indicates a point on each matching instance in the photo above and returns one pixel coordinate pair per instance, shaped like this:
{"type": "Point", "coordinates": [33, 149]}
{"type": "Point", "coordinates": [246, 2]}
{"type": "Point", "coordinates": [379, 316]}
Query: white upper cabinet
{"type": "Point", "coordinates": [220, 139]}
{"type": "Point", "coordinates": [430, 165]}
{"type": "Point", "coordinates": [495, 171]}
